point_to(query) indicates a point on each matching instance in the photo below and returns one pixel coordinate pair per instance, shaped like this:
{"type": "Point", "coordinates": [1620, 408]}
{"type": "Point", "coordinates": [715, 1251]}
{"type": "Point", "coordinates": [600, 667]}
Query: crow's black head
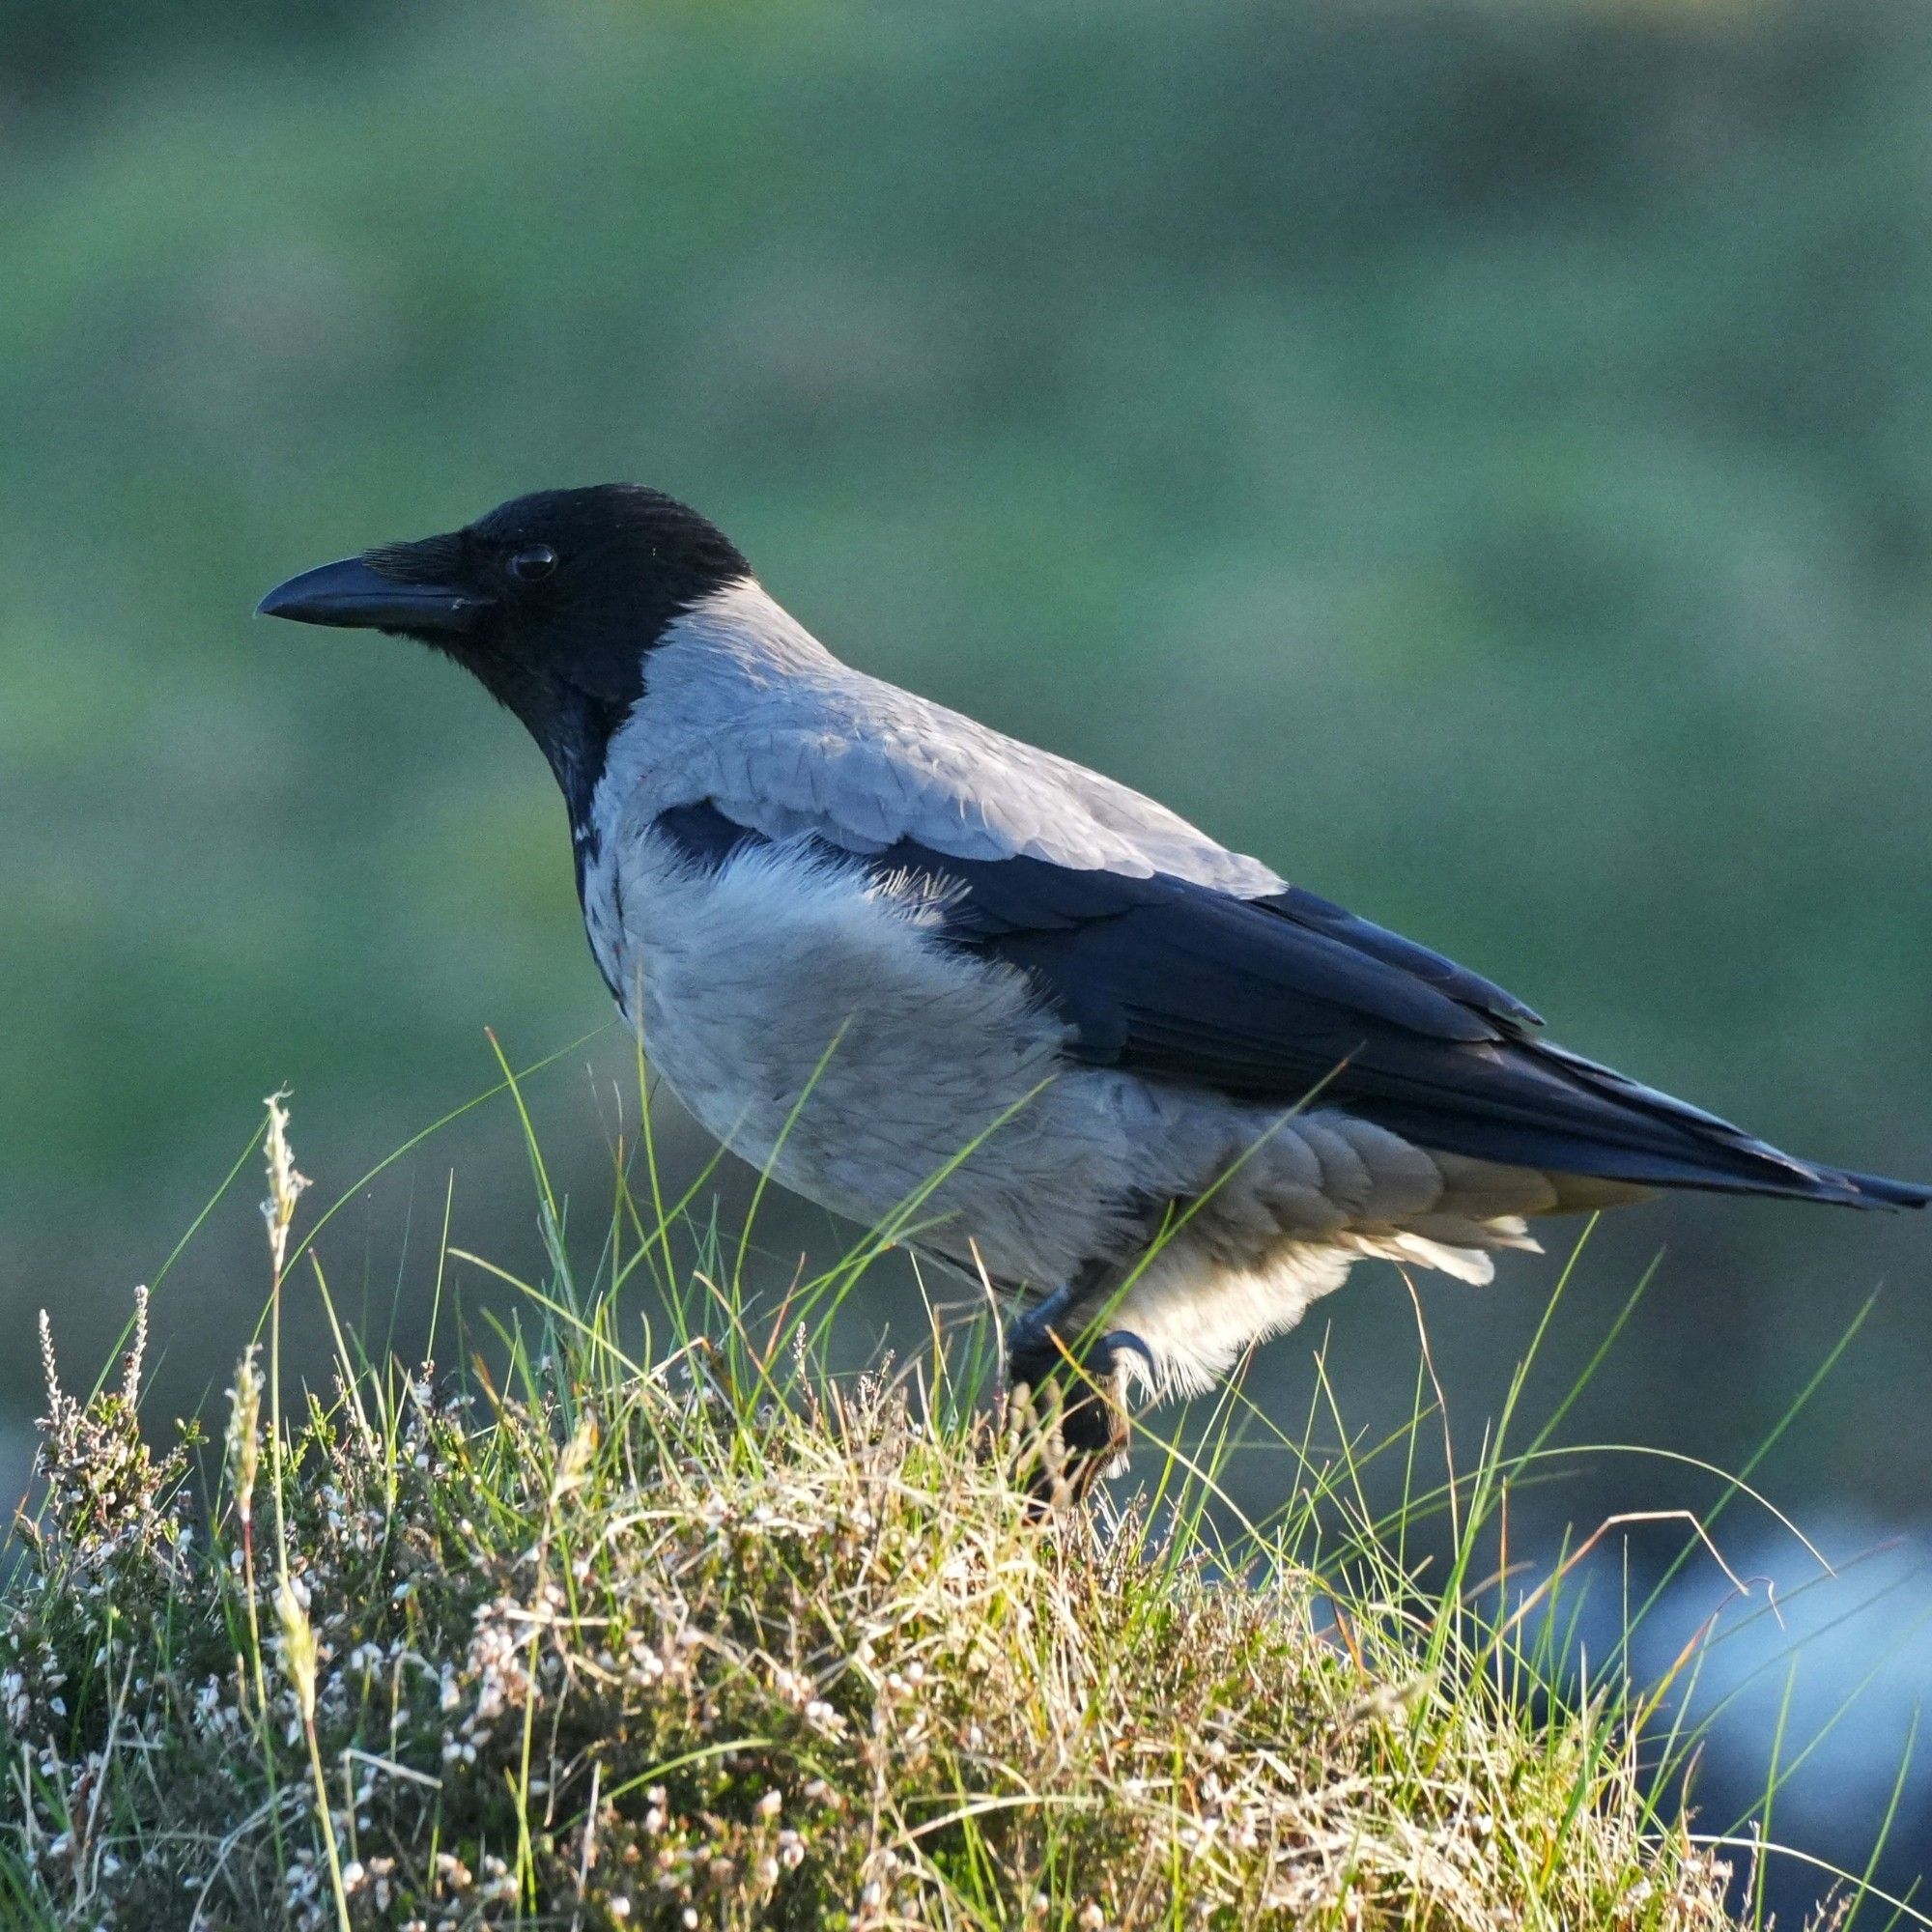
{"type": "Point", "coordinates": [553, 600]}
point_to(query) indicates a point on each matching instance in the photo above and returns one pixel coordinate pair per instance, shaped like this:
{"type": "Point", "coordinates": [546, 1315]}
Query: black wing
{"type": "Point", "coordinates": [1270, 1000]}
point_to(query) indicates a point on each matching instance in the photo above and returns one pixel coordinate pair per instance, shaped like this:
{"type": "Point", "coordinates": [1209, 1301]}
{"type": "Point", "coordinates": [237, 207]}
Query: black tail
{"type": "Point", "coordinates": [1874, 1190]}
{"type": "Point", "coordinates": [1615, 1129]}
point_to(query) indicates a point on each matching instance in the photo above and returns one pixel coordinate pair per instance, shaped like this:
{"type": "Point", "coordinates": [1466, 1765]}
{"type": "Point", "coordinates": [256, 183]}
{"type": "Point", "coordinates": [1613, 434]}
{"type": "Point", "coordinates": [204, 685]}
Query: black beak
{"type": "Point", "coordinates": [353, 595]}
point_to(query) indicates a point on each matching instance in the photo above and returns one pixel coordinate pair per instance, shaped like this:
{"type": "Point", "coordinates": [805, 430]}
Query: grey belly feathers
{"type": "Point", "coordinates": [812, 1011]}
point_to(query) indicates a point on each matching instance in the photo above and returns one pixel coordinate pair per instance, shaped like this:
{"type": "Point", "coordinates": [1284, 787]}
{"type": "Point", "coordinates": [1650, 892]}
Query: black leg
{"type": "Point", "coordinates": [1067, 1403]}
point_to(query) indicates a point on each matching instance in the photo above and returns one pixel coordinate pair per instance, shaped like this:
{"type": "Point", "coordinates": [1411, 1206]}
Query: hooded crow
{"type": "Point", "coordinates": [1157, 1095]}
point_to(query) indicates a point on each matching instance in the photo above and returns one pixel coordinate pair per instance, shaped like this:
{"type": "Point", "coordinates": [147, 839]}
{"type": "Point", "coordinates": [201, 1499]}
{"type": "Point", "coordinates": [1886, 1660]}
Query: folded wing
{"type": "Point", "coordinates": [1273, 998]}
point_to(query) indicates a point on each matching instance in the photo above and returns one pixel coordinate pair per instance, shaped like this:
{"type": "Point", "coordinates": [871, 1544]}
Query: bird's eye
{"type": "Point", "coordinates": [527, 566]}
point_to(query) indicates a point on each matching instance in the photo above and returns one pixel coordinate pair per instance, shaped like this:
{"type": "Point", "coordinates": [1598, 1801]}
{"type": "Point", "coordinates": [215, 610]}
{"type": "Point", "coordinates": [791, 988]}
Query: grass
{"type": "Point", "coordinates": [619, 1629]}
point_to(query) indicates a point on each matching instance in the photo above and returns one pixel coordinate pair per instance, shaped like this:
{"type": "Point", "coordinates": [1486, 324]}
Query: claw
{"type": "Point", "coordinates": [1067, 1419]}
{"type": "Point", "coordinates": [1124, 1341]}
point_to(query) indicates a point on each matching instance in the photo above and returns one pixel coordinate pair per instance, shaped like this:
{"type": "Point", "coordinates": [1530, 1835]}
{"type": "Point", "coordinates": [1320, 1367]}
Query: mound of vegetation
{"type": "Point", "coordinates": [677, 1648]}
{"type": "Point", "coordinates": [719, 1639]}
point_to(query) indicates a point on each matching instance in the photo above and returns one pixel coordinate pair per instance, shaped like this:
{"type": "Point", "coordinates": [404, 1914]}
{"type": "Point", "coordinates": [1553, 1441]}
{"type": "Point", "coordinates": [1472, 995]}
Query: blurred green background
{"type": "Point", "coordinates": [1476, 453]}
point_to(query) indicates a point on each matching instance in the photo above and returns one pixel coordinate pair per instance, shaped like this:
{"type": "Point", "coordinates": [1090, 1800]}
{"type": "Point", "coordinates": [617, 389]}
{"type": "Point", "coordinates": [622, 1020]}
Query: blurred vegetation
{"type": "Point", "coordinates": [1477, 454]}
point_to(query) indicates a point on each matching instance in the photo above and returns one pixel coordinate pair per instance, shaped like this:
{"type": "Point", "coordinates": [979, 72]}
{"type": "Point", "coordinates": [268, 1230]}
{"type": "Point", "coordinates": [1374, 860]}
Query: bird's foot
{"type": "Point", "coordinates": [1066, 1415]}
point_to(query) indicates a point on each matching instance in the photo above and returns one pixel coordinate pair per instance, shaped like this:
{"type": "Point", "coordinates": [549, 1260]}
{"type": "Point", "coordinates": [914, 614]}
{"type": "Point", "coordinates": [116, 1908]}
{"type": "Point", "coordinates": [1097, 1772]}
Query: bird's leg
{"type": "Point", "coordinates": [1066, 1400]}
{"type": "Point", "coordinates": [1031, 1335]}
